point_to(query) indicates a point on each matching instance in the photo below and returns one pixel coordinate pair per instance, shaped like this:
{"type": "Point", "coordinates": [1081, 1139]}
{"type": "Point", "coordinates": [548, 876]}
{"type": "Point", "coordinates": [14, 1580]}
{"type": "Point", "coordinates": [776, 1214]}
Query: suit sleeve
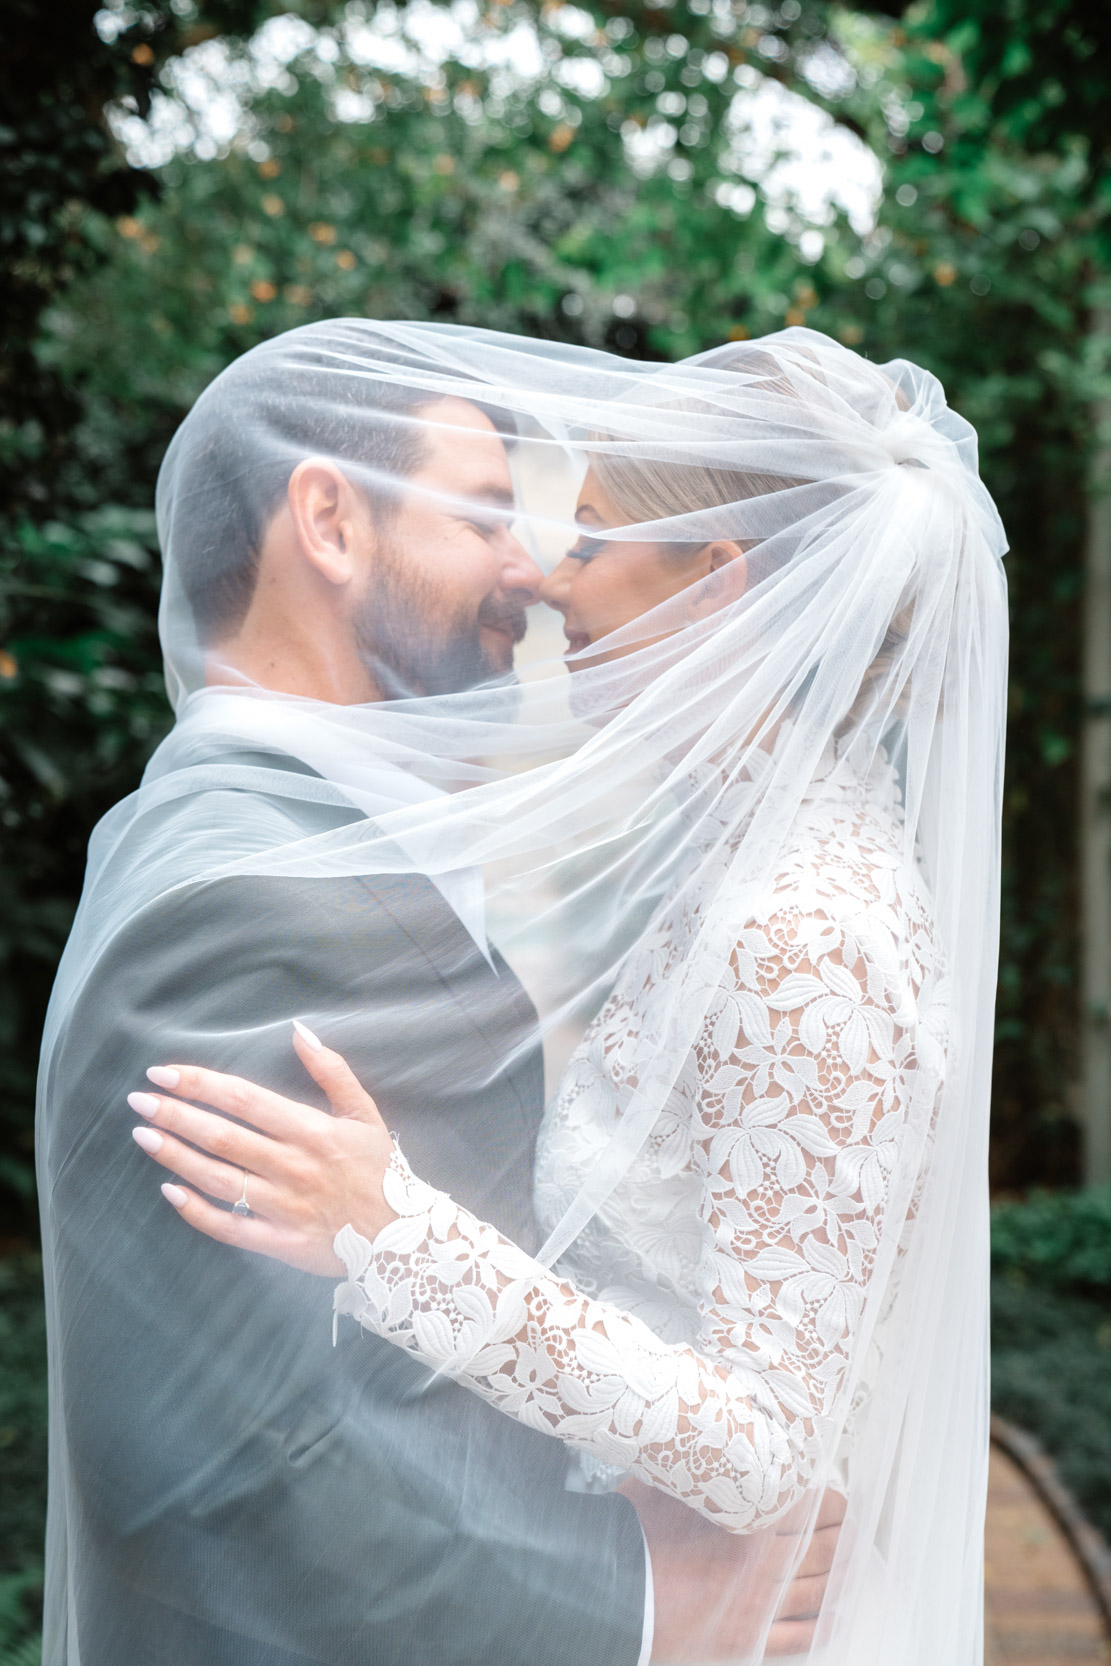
{"type": "Point", "coordinates": [238, 1492]}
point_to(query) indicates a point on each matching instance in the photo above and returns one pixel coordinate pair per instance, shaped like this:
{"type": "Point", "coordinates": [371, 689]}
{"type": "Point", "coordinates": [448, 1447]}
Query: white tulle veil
{"type": "Point", "coordinates": [563, 810]}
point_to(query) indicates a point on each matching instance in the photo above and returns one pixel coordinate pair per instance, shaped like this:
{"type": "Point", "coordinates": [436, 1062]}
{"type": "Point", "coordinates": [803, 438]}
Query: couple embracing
{"type": "Point", "coordinates": [572, 1079]}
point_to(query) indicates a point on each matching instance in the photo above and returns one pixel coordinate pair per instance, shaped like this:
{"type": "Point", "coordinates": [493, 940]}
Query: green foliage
{"type": "Point", "coordinates": [22, 1414]}
{"type": "Point", "coordinates": [1055, 1240]}
{"type": "Point", "coordinates": [1041, 66]}
{"type": "Point", "coordinates": [1051, 1332]}
{"type": "Point", "coordinates": [452, 196]}
{"type": "Point", "coordinates": [1003, 169]}
{"type": "Point", "coordinates": [60, 170]}
{"type": "Point", "coordinates": [81, 706]}
{"type": "Point", "coordinates": [22, 1458]}
{"type": "Point", "coordinates": [984, 267]}
{"type": "Point", "coordinates": [1051, 1374]}
{"type": "Point", "coordinates": [20, 1638]}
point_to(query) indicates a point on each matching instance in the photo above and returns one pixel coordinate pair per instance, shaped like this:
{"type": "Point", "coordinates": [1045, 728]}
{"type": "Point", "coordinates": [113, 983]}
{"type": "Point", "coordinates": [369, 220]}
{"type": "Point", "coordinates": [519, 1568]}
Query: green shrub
{"type": "Point", "coordinates": [1055, 1240]}
{"type": "Point", "coordinates": [22, 1414]}
{"type": "Point", "coordinates": [20, 1599]}
{"type": "Point", "coordinates": [82, 706]}
{"type": "Point", "coordinates": [22, 1458]}
{"type": "Point", "coordinates": [1051, 1333]}
{"type": "Point", "coordinates": [1051, 1374]}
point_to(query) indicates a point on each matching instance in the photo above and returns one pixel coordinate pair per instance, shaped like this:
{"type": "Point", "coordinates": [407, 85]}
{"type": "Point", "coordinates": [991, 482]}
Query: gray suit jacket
{"type": "Point", "coordinates": [241, 1494]}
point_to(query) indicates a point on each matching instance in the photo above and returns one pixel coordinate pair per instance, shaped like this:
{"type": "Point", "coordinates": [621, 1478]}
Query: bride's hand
{"type": "Point", "coordinates": [304, 1174]}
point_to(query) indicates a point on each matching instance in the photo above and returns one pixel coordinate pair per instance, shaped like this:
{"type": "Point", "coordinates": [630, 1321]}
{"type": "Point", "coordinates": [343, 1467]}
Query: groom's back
{"type": "Point", "coordinates": [234, 1490]}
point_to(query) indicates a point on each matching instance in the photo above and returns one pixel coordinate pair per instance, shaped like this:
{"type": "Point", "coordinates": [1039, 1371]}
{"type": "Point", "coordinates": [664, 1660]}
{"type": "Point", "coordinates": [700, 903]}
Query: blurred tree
{"type": "Point", "coordinates": [59, 167]}
{"type": "Point", "coordinates": [1024, 88]}
{"type": "Point", "coordinates": [1044, 74]}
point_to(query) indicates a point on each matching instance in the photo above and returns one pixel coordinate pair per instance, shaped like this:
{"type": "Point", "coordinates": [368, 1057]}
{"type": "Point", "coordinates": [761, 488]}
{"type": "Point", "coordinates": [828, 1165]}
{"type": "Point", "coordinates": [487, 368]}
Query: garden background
{"type": "Point", "coordinates": [182, 178]}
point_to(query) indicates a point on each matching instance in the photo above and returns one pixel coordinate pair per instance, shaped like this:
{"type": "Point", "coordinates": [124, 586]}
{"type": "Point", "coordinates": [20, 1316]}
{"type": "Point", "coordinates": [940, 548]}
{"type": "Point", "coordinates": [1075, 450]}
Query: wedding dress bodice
{"type": "Point", "coordinates": [699, 1332]}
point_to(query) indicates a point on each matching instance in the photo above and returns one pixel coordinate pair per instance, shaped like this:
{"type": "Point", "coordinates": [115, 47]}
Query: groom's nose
{"type": "Point", "coordinates": [520, 575]}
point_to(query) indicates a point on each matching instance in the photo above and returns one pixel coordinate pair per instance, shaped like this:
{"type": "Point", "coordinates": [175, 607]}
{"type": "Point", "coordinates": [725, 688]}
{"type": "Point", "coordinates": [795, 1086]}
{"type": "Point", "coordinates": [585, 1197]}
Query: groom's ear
{"type": "Point", "coordinates": [329, 518]}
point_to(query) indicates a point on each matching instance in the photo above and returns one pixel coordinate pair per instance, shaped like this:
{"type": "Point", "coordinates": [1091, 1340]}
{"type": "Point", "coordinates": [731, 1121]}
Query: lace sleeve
{"type": "Point", "coordinates": [806, 1060]}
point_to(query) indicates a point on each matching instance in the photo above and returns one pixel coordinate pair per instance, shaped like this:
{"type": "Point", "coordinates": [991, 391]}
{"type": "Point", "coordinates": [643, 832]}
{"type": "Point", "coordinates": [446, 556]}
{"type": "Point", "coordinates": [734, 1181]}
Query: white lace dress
{"type": "Point", "coordinates": [699, 1334]}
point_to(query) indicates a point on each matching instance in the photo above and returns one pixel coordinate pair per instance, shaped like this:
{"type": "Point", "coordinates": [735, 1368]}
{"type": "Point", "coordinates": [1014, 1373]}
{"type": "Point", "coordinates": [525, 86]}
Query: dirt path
{"type": "Point", "coordinates": [1039, 1610]}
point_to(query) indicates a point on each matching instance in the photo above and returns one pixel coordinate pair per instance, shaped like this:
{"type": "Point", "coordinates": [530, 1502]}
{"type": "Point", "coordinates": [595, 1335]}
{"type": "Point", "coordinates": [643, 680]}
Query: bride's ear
{"type": "Point", "coordinates": [726, 571]}
{"type": "Point", "coordinates": [721, 577]}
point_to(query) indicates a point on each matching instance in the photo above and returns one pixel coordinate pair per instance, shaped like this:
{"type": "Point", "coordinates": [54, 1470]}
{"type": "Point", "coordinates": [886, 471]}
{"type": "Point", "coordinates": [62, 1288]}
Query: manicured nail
{"type": "Point", "coordinates": [145, 1103]}
{"type": "Point", "coordinates": [175, 1195]}
{"type": "Point", "coordinates": [148, 1139]}
{"type": "Point", "coordinates": [163, 1077]}
{"type": "Point", "coordinates": [307, 1036]}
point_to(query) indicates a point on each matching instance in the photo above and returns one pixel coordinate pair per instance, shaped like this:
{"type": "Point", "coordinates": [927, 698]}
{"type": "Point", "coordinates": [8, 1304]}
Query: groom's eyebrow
{"type": "Point", "coordinates": [494, 495]}
{"type": "Point", "coordinates": [491, 499]}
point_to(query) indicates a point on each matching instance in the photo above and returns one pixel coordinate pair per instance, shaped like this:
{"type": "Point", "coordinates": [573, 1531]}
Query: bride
{"type": "Point", "coordinates": [762, 851]}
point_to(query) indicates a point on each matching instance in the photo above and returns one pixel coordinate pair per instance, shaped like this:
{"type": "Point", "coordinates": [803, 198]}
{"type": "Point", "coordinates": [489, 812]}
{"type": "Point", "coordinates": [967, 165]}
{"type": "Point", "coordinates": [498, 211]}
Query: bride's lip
{"type": "Point", "coordinates": [576, 640]}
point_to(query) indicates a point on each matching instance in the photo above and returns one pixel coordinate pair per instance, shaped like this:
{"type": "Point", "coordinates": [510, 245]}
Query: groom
{"type": "Point", "coordinates": [227, 1490]}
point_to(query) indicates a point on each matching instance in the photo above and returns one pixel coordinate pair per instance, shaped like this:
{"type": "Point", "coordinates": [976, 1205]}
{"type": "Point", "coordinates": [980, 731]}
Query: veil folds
{"type": "Point", "coordinates": [649, 786]}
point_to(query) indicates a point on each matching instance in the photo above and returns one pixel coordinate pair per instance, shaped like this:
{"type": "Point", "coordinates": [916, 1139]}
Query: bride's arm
{"type": "Point", "coordinates": [804, 1071]}
{"type": "Point", "coordinates": [806, 1063]}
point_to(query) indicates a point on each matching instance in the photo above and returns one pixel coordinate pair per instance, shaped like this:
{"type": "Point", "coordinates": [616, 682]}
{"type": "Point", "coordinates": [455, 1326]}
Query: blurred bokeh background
{"type": "Point", "coordinates": [182, 178]}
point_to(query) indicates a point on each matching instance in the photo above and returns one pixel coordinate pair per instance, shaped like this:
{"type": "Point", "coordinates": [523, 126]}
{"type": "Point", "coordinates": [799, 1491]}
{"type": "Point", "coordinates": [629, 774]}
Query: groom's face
{"type": "Point", "coordinates": [443, 604]}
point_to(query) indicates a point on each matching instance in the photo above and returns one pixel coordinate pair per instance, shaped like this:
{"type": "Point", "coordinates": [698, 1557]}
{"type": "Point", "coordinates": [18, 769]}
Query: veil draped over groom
{"type": "Point", "coordinates": [449, 878]}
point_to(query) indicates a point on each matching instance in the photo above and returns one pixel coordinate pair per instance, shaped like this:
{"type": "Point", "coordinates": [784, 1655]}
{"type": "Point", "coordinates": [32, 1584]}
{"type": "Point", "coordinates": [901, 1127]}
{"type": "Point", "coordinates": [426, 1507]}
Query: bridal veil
{"type": "Point", "coordinates": [564, 810]}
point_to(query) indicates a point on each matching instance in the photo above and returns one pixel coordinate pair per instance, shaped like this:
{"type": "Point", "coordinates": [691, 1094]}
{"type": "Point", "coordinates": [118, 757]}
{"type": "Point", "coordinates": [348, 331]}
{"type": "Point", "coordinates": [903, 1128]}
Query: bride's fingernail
{"type": "Point", "coordinates": [145, 1103]}
{"type": "Point", "coordinates": [148, 1139]}
{"type": "Point", "coordinates": [175, 1195]}
{"type": "Point", "coordinates": [163, 1077]}
{"type": "Point", "coordinates": [307, 1036]}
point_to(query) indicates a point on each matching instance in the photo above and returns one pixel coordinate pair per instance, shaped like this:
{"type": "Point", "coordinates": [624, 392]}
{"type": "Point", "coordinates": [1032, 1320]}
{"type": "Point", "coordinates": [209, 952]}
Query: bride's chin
{"type": "Point", "coordinates": [577, 641]}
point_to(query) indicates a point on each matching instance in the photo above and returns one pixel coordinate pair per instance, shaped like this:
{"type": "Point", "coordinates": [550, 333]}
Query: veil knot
{"type": "Point", "coordinates": [913, 442]}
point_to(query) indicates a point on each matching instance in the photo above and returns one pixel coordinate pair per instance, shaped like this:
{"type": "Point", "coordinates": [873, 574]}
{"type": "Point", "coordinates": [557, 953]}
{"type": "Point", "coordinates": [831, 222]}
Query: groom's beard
{"type": "Point", "coordinates": [412, 645]}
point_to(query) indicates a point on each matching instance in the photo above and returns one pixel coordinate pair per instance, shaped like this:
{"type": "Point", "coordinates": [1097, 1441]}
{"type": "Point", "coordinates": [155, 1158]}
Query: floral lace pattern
{"type": "Point", "coordinates": [701, 1332]}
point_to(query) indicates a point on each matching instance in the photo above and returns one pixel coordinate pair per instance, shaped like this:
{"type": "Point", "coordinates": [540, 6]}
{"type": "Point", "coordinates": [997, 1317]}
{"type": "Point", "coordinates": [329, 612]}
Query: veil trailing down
{"type": "Point", "coordinates": [731, 862]}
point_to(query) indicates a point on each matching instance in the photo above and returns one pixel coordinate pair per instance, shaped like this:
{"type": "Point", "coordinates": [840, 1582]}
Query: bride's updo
{"type": "Point", "coordinates": [650, 489]}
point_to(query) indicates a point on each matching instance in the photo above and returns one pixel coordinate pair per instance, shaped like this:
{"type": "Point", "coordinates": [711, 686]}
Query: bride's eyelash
{"type": "Point", "coordinates": [585, 549]}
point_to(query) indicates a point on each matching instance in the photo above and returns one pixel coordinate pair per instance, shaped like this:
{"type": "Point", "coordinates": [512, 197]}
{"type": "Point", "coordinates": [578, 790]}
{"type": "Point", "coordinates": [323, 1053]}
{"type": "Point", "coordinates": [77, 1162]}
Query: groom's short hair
{"type": "Point", "coordinates": [241, 442]}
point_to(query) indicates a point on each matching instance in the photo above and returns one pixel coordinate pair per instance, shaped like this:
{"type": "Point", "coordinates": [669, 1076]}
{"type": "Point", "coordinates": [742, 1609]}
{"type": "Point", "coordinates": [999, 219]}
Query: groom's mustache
{"type": "Point", "coordinates": [499, 613]}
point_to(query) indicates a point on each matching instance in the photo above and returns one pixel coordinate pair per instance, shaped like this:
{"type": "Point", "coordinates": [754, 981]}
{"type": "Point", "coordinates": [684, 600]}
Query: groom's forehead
{"type": "Point", "coordinates": [463, 452]}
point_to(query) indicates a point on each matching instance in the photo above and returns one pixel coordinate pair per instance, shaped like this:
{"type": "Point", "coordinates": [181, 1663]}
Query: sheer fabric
{"type": "Point", "coordinates": [740, 848]}
{"type": "Point", "coordinates": [818, 1060]}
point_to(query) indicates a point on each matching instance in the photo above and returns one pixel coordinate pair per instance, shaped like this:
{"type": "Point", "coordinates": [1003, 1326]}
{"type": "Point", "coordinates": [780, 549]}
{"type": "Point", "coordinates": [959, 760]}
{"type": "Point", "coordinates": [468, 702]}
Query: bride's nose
{"type": "Point", "coordinates": [555, 589]}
